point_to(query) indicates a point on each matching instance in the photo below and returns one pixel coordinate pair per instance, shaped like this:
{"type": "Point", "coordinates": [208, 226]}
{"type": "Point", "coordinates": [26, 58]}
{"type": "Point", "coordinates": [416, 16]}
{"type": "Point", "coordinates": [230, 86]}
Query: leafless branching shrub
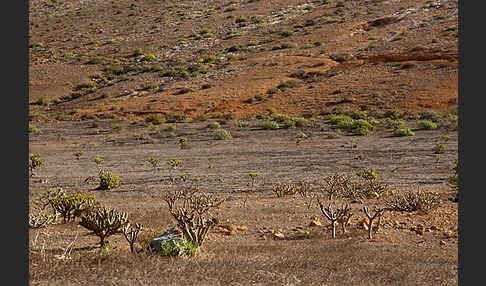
{"type": "Point", "coordinates": [330, 214]}
{"type": "Point", "coordinates": [304, 189]}
{"type": "Point", "coordinates": [284, 189]}
{"type": "Point", "coordinates": [40, 219]}
{"type": "Point", "coordinates": [192, 211]}
{"type": "Point", "coordinates": [371, 218]}
{"type": "Point", "coordinates": [336, 185]}
{"type": "Point", "coordinates": [104, 222]}
{"type": "Point", "coordinates": [410, 201]}
{"type": "Point", "coordinates": [366, 188]}
{"type": "Point", "coordinates": [131, 234]}
{"type": "Point", "coordinates": [344, 214]}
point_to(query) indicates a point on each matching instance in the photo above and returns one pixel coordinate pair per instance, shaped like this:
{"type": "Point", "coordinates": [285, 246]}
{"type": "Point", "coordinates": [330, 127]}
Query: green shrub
{"type": "Point", "coordinates": [300, 121]}
{"type": "Point", "coordinates": [395, 124]}
{"type": "Point", "coordinates": [150, 86]}
{"type": "Point", "coordinates": [272, 125]}
{"type": "Point", "coordinates": [362, 127]}
{"type": "Point", "coordinates": [33, 128]}
{"type": "Point", "coordinates": [214, 125]}
{"type": "Point", "coordinates": [222, 134]}
{"type": "Point", "coordinates": [335, 120]}
{"type": "Point", "coordinates": [108, 180]}
{"type": "Point", "coordinates": [403, 132]}
{"type": "Point", "coordinates": [178, 247]}
{"type": "Point", "coordinates": [243, 124]}
{"type": "Point", "coordinates": [427, 125]}
{"type": "Point", "coordinates": [439, 149]}
{"type": "Point", "coordinates": [148, 58]}
{"type": "Point", "coordinates": [35, 161]}
{"type": "Point", "coordinates": [155, 119]}
{"type": "Point", "coordinates": [115, 69]}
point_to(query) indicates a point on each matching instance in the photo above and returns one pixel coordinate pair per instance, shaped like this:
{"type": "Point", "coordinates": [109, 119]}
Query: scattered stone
{"type": "Point", "coordinates": [315, 222]}
{"type": "Point", "coordinates": [278, 235]}
{"type": "Point", "coordinates": [242, 228]}
{"type": "Point", "coordinates": [171, 234]}
{"type": "Point", "coordinates": [442, 242]}
{"type": "Point", "coordinates": [420, 229]}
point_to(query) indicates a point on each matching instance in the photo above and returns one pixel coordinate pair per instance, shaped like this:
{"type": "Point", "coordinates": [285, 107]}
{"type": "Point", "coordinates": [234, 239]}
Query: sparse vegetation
{"type": "Point", "coordinates": [427, 125]}
{"type": "Point", "coordinates": [108, 180]}
{"type": "Point", "coordinates": [410, 201]}
{"type": "Point", "coordinates": [222, 134]}
{"type": "Point", "coordinates": [35, 161]}
{"type": "Point", "coordinates": [309, 89]}
{"type": "Point", "coordinates": [192, 211]}
{"type": "Point", "coordinates": [104, 222]}
{"type": "Point", "coordinates": [403, 132]}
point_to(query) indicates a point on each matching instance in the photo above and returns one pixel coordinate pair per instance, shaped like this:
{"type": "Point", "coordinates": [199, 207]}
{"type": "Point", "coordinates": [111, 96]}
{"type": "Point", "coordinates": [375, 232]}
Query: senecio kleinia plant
{"type": "Point", "coordinates": [108, 180]}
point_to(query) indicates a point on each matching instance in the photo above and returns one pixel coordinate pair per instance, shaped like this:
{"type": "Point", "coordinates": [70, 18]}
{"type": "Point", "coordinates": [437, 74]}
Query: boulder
{"type": "Point", "coordinates": [171, 234]}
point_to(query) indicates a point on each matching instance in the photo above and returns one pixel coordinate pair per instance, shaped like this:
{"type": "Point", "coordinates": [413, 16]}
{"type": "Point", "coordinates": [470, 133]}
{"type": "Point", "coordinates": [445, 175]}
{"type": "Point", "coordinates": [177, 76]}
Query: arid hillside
{"type": "Point", "coordinates": [202, 58]}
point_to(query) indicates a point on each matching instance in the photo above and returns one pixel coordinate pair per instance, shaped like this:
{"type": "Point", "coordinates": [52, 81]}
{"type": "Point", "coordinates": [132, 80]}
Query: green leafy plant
{"type": "Point", "coordinates": [242, 124]}
{"type": "Point", "coordinates": [183, 143]}
{"type": "Point", "coordinates": [222, 134]}
{"type": "Point", "coordinates": [301, 136]}
{"type": "Point", "coordinates": [439, 149]}
{"type": "Point", "coordinates": [214, 125]}
{"type": "Point", "coordinates": [104, 222]}
{"type": "Point", "coordinates": [98, 161]}
{"type": "Point", "coordinates": [78, 155]}
{"type": "Point", "coordinates": [108, 180]}
{"type": "Point", "coordinates": [272, 125]}
{"type": "Point", "coordinates": [427, 125]}
{"type": "Point", "coordinates": [34, 129]}
{"type": "Point", "coordinates": [178, 247]}
{"type": "Point", "coordinates": [173, 164]}
{"type": "Point", "coordinates": [403, 132]}
{"type": "Point", "coordinates": [35, 161]}
{"type": "Point", "coordinates": [154, 161]}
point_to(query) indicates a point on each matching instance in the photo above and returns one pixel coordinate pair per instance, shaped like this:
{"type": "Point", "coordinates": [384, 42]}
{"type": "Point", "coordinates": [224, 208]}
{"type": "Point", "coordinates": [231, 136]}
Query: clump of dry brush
{"type": "Point", "coordinates": [193, 211]}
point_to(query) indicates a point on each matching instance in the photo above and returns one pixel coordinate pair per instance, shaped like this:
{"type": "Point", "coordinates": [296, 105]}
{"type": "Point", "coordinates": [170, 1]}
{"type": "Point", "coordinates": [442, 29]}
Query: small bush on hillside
{"type": "Point", "coordinates": [403, 132]}
{"type": "Point", "coordinates": [178, 247]}
{"type": "Point", "coordinates": [427, 125]}
{"type": "Point", "coordinates": [222, 134]}
{"type": "Point", "coordinates": [70, 206]}
{"type": "Point", "coordinates": [33, 128]}
{"type": "Point", "coordinates": [155, 119]}
{"type": "Point", "coordinates": [272, 125]}
{"type": "Point", "coordinates": [214, 125]}
{"type": "Point", "coordinates": [104, 222]}
{"type": "Point", "coordinates": [108, 180]}
{"type": "Point", "coordinates": [35, 161]}
{"type": "Point", "coordinates": [410, 201]}
{"type": "Point", "coordinates": [193, 212]}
